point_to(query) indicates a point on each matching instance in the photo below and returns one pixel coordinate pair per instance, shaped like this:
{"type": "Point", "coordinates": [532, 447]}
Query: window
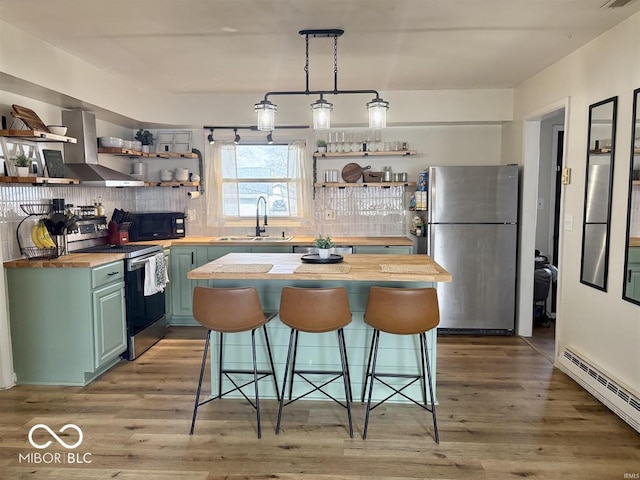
{"type": "Point", "coordinates": [242, 173]}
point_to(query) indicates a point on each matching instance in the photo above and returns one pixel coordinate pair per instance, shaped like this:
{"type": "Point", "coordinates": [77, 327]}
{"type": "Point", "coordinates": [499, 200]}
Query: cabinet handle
{"type": "Point", "coordinates": [192, 259]}
{"type": "Point", "coordinates": [110, 274]}
{"type": "Point", "coordinates": [629, 276]}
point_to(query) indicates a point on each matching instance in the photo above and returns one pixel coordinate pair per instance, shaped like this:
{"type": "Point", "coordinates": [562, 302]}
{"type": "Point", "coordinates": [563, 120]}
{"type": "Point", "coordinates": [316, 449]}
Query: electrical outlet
{"type": "Point", "coordinates": [191, 214]}
{"type": "Point", "coordinates": [566, 176]}
{"type": "Point", "coordinates": [329, 214]}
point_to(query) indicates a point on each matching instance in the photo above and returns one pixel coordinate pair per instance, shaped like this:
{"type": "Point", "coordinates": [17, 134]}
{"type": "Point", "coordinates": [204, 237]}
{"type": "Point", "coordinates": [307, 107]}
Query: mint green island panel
{"type": "Point", "coordinates": [397, 353]}
{"type": "Point", "coordinates": [67, 324]}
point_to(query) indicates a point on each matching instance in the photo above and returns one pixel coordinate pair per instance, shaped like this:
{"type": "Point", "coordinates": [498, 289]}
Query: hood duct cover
{"type": "Point", "coordinates": [81, 159]}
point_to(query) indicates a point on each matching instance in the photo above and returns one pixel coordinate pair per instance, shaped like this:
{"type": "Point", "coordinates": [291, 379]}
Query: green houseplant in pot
{"type": "Point", "coordinates": [146, 138]}
{"type": "Point", "coordinates": [22, 163]}
{"type": "Point", "coordinates": [322, 146]}
{"type": "Point", "coordinates": [323, 244]}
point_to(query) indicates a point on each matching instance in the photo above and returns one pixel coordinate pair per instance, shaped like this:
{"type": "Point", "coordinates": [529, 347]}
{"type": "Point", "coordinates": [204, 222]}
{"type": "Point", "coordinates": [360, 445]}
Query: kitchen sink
{"type": "Point", "coordinates": [234, 239]}
{"type": "Point", "coordinates": [253, 239]}
{"type": "Point", "coordinates": [272, 239]}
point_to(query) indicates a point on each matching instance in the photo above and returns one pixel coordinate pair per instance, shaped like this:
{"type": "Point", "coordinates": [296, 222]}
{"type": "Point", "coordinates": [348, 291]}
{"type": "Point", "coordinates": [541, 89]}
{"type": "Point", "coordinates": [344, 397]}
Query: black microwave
{"type": "Point", "coordinates": [156, 225]}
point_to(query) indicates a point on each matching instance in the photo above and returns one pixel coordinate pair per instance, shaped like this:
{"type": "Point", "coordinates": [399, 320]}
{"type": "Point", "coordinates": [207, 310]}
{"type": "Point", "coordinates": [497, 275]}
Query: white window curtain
{"type": "Point", "coordinates": [221, 171]}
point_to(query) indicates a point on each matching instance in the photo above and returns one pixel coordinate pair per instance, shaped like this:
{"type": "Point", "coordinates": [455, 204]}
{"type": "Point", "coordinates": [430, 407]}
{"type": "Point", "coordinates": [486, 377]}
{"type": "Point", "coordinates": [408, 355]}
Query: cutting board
{"type": "Point", "coordinates": [30, 118]}
{"type": "Point", "coordinates": [55, 165]}
{"type": "Point", "coordinates": [351, 172]}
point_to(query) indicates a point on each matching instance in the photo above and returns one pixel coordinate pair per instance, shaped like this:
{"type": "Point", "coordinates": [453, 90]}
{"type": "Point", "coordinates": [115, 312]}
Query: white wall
{"type": "Point", "coordinates": [598, 324]}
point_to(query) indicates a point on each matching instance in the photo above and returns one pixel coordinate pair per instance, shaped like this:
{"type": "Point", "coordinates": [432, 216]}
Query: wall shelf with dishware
{"type": "Point", "coordinates": [365, 184]}
{"type": "Point", "coordinates": [40, 180]}
{"type": "Point", "coordinates": [134, 153]}
{"type": "Point", "coordinates": [394, 153]}
{"type": "Point", "coordinates": [36, 136]}
{"type": "Point", "coordinates": [172, 184]}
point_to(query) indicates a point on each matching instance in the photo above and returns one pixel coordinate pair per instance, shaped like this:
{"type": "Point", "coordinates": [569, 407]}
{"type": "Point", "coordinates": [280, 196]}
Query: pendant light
{"type": "Point", "coordinates": [321, 114]}
{"type": "Point", "coordinates": [377, 108]}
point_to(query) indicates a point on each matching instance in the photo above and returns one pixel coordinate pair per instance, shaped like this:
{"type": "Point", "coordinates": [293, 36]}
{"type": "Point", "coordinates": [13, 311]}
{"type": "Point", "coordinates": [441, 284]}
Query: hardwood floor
{"type": "Point", "coordinates": [504, 413]}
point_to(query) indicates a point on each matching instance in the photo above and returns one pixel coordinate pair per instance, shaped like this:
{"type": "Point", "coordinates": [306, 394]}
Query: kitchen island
{"type": "Point", "coordinates": [357, 273]}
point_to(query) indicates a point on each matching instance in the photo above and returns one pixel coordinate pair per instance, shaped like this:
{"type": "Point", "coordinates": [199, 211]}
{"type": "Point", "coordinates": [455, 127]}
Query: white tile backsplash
{"type": "Point", "coordinates": [358, 211]}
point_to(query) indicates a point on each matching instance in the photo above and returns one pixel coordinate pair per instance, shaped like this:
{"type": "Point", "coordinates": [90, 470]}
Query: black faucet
{"type": "Point", "coordinates": [258, 229]}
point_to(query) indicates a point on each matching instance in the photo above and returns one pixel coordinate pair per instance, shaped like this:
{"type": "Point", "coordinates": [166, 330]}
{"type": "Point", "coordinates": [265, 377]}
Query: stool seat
{"type": "Point", "coordinates": [315, 310]}
{"type": "Point", "coordinates": [401, 311]}
{"type": "Point", "coordinates": [232, 310]}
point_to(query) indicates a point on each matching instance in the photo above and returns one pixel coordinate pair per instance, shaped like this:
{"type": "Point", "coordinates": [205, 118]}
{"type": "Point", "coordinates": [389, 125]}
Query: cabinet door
{"type": "Point", "coordinates": [182, 260]}
{"type": "Point", "coordinates": [384, 250]}
{"type": "Point", "coordinates": [633, 281]}
{"type": "Point", "coordinates": [110, 334]}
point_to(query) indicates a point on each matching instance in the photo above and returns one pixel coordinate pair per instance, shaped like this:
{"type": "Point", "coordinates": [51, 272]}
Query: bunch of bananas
{"type": "Point", "coordinates": [40, 236]}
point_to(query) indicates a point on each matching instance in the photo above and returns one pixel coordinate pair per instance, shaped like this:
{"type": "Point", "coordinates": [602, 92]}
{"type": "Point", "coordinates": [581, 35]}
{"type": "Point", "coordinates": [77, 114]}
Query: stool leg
{"type": "Point", "coordinates": [424, 373]}
{"type": "Point", "coordinates": [202, 367]}
{"type": "Point", "coordinates": [346, 361]}
{"type": "Point", "coordinates": [433, 403]}
{"type": "Point", "coordinates": [345, 377]}
{"type": "Point", "coordinates": [220, 365]}
{"type": "Point", "coordinates": [284, 382]}
{"type": "Point", "coordinates": [273, 370]}
{"type": "Point", "coordinates": [255, 379]}
{"type": "Point", "coordinates": [366, 373]}
{"type": "Point", "coordinates": [374, 346]}
{"type": "Point", "coordinates": [293, 366]}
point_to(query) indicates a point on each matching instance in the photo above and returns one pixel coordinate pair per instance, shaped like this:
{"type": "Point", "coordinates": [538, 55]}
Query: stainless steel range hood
{"type": "Point", "coordinates": [81, 159]}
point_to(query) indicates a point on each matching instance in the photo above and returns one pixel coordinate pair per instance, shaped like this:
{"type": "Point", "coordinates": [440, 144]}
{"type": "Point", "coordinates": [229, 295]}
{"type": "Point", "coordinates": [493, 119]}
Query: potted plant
{"type": "Point", "coordinates": [146, 138]}
{"type": "Point", "coordinates": [22, 163]}
{"type": "Point", "coordinates": [323, 244]}
{"type": "Point", "coordinates": [322, 146]}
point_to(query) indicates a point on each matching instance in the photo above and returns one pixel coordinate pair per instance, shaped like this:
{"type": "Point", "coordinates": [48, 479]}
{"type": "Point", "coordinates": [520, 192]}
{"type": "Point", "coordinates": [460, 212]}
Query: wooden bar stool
{"type": "Point", "coordinates": [232, 310]}
{"type": "Point", "coordinates": [401, 311]}
{"type": "Point", "coordinates": [315, 310]}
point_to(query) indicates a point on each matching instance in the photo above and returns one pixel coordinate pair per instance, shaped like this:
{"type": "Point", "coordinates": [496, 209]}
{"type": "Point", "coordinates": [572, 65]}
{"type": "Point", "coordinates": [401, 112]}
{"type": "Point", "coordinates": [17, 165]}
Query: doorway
{"type": "Point", "coordinates": [548, 232]}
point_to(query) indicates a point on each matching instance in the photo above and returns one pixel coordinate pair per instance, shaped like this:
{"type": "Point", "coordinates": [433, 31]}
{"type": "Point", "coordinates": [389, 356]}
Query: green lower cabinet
{"type": "Point", "coordinates": [67, 324]}
{"type": "Point", "coordinates": [632, 288]}
{"type": "Point", "coordinates": [183, 260]}
{"type": "Point", "coordinates": [383, 250]}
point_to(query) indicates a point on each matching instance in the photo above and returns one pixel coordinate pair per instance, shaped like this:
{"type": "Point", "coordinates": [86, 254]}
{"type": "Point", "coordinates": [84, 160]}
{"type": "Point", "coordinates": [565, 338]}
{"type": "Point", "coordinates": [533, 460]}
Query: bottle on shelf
{"type": "Point", "coordinates": [100, 208]}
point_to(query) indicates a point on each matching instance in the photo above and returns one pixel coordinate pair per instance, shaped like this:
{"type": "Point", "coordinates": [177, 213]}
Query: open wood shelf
{"type": "Point", "coordinates": [135, 153]}
{"type": "Point", "coordinates": [635, 182]}
{"type": "Point", "coordinates": [365, 184]}
{"type": "Point", "coordinates": [36, 136]}
{"type": "Point", "coordinates": [40, 180]}
{"type": "Point", "coordinates": [395, 153]}
{"type": "Point", "coordinates": [600, 151]}
{"type": "Point", "coordinates": [172, 184]}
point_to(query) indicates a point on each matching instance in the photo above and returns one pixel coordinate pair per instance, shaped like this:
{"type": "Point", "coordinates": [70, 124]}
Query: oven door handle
{"type": "Point", "coordinates": [137, 263]}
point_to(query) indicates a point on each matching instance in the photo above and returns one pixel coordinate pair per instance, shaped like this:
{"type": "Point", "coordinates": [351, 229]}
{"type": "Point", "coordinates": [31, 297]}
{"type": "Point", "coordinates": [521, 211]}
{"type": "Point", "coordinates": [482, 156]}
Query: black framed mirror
{"type": "Point", "coordinates": [596, 220]}
{"type": "Point", "coordinates": [631, 286]}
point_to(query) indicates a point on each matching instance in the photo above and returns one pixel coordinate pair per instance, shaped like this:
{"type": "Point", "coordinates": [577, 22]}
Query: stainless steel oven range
{"type": "Point", "coordinates": [145, 315]}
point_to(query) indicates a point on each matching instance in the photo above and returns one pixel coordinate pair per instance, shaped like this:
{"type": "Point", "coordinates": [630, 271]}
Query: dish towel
{"type": "Point", "coordinates": [155, 275]}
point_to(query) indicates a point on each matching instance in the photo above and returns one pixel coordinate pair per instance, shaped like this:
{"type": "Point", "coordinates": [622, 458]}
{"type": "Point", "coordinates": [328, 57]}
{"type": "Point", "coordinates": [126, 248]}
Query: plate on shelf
{"type": "Point", "coordinates": [315, 258]}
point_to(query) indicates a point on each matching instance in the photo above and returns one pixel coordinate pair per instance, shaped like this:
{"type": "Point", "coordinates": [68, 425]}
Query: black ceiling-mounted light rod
{"type": "Point", "coordinates": [321, 108]}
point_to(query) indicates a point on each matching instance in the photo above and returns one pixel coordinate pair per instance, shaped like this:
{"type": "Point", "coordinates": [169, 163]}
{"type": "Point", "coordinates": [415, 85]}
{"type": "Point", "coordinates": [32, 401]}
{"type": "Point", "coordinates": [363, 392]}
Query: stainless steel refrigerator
{"type": "Point", "coordinates": [473, 233]}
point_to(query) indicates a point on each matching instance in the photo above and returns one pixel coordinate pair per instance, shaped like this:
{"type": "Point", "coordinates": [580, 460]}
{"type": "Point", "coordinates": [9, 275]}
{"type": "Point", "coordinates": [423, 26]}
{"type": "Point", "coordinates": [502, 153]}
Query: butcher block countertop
{"type": "Point", "coordinates": [90, 260]}
{"type": "Point", "coordinates": [634, 242]}
{"type": "Point", "coordinates": [73, 260]}
{"type": "Point", "coordinates": [282, 266]}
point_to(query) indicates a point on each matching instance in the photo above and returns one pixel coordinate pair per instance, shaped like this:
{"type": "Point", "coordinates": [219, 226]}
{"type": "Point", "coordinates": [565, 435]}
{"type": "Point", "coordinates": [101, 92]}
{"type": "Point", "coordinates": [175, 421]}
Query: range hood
{"type": "Point", "coordinates": [81, 159]}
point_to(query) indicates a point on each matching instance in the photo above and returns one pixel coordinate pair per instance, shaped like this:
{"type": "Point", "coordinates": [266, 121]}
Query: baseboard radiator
{"type": "Point", "coordinates": [602, 386]}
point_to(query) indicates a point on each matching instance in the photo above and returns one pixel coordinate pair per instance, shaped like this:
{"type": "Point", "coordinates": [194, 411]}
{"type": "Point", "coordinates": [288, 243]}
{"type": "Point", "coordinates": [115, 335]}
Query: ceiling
{"type": "Point", "coordinates": [236, 46]}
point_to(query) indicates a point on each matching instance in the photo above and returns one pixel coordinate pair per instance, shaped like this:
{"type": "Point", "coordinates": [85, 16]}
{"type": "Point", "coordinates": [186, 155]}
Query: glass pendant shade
{"type": "Point", "coordinates": [321, 114]}
{"type": "Point", "coordinates": [377, 113]}
{"type": "Point", "coordinates": [266, 115]}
